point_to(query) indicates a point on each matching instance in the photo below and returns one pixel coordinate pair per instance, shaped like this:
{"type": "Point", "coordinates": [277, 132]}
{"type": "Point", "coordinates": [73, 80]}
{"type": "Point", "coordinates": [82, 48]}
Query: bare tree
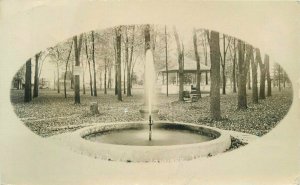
{"type": "Point", "coordinates": [129, 64]}
{"type": "Point", "coordinates": [180, 52]}
{"type": "Point", "coordinates": [269, 90]}
{"type": "Point", "coordinates": [36, 76]}
{"type": "Point", "coordinates": [249, 80]}
{"type": "Point", "coordinates": [27, 91]}
{"type": "Point", "coordinates": [198, 62]}
{"type": "Point", "coordinates": [100, 79]}
{"type": "Point", "coordinates": [94, 63]}
{"type": "Point", "coordinates": [58, 56]}
{"type": "Point", "coordinates": [214, 44]}
{"type": "Point", "coordinates": [125, 61]}
{"type": "Point", "coordinates": [109, 76]}
{"type": "Point", "coordinates": [232, 51]}
{"type": "Point", "coordinates": [243, 70]}
{"type": "Point", "coordinates": [223, 61]}
{"type": "Point", "coordinates": [20, 76]}
{"type": "Point", "coordinates": [105, 74]}
{"type": "Point", "coordinates": [118, 61]}
{"type": "Point", "coordinates": [89, 65]}
{"type": "Point", "coordinates": [279, 77]}
{"type": "Point", "coordinates": [166, 49]}
{"type": "Point", "coordinates": [67, 63]}
{"type": "Point", "coordinates": [254, 79]}
{"type": "Point", "coordinates": [262, 75]}
{"type": "Point", "coordinates": [205, 52]}
{"type": "Point", "coordinates": [77, 49]}
{"type": "Point", "coordinates": [116, 68]}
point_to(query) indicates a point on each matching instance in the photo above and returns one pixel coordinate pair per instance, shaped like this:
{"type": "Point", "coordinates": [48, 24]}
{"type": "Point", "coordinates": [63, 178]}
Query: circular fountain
{"type": "Point", "coordinates": [129, 141]}
{"type": "Point", "coordinates": [150, 140]}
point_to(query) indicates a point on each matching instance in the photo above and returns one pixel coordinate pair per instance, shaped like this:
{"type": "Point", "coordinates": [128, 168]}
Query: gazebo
{"type": "Point", "coordinates": [190, 75]}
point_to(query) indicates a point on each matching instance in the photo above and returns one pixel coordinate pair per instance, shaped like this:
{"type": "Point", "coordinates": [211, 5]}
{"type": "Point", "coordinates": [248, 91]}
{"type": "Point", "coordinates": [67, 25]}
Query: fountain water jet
{"type": "Point", "coordinates": [150, 78]}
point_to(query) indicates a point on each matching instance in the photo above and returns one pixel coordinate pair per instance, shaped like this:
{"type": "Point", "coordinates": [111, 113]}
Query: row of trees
{"type": "Point", "coordinates": [121, 47]}
{"type": "Point", "coordinates": [117, 48]}
{"type": "Point", "coordinates": [245, 58]}
{"type": "Point", "coordinates": [245, 61]}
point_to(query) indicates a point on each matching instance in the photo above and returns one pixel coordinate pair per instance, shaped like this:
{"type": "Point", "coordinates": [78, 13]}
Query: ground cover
{"type": "Point", "coordinates": [51, 113]}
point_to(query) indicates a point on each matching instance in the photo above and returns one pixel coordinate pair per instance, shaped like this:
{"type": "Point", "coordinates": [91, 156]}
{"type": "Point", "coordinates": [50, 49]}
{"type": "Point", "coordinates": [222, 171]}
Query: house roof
{"type": "Point", "coordinates": [190, 65]}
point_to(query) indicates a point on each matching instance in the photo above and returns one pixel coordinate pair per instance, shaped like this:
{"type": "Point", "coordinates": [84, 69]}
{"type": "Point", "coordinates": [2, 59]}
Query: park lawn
{"type": "Point", "coordinates": [51, 113]}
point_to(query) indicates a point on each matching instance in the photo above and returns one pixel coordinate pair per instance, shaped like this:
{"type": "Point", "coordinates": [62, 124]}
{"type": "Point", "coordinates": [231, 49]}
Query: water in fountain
{"type": "Point", "coordinates": [139, 137]}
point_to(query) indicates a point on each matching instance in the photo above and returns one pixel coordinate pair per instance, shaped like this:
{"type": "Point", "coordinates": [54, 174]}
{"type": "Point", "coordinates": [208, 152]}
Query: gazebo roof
{"type": "Point", "coordinates": [190, 65]}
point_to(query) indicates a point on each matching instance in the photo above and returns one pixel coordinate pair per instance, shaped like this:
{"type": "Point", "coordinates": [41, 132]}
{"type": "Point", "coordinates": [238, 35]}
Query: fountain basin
{"type": "Point", "coordinates": [79, 141]}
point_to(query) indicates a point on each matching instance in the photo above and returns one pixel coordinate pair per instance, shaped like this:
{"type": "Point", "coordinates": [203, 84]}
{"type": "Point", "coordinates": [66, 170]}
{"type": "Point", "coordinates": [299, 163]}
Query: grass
{"type": "Point", "coordinates": [51, 113]}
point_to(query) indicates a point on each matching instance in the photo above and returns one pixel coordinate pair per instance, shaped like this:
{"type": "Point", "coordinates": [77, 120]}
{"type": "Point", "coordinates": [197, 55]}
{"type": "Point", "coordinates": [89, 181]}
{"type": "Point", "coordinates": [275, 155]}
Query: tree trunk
{"type": "Point", "coordinates": [234, 75]}
{"type": "Point", "coordinates": [100, 79]}
{"type": "Point", "coordinates": [124, 79]}
{"type": "Point", "coordinates": [65, 83]}
{"type": "Point", "coordinates": [262, 75]}
{"type": "Point", "coordinates": [215, 75]}
{"type": "Point", "coordinates": [249, 80]}
{"type": "Point", "coordinates": [58, 84]}
{"type": "Point", "coordinates": [91, 78]}
{"type": "Point", "coordinates": [72, 79]}
{"type": "Point", "coordinates": [77, 49]}
{"type": "Point", "coordinates": [109, 77]}
{"type": "Point", "coordinates": [279, 77]}
{"type": "Point", "coordinates": [167, 72]}
{"type": "Point", "coordinates": [128, 77]}
{"type": "Point", "coordinates": [223, 80]}
{"type": "Point", "coordinates": [129, 66]}
{"type": "Point", "coordinates": [105, 74]}
{"type": "Point", "coordinates": [66, 69]}
{"type": "Point", "coordinates": [116, 70]}
{"type": "Point", "coordinates": [267, 64]}
{"type": "Point", "coordinates": [198, 63]}
{"type": "Point", "coordinates": [205, 55]}
{"type": "Point", "coordinates": [54, 81]}
{"type": "Point", "coordinates": [27, 92]}
{"type": "Point", "coordinates": [36, 76]}
{"type": "Point", "coordinates": [254, 79]}
{"type": "Point", "coordinates": [89, 65]}
{"type": "Point", "coordinates": [94, 64]}
{"type": "Point", "coordinates": [83, 83]}
{"type": "Point", "coordinates": [131, 74]}
{"type": "Point", "coordinates": [234, 67]}
{"type": "Point", "coordinates": [119, 80]}
{"type": "Point", "coordinates": [206, 75]}
{"type": "Point", "coordinates": [242, 62]}
{"type": "Point", "coordinates": [180, 64]}
{"type": "Point", "coordinates": [116, 79]}
{"type": "Point", "coordinates": [223, 63]}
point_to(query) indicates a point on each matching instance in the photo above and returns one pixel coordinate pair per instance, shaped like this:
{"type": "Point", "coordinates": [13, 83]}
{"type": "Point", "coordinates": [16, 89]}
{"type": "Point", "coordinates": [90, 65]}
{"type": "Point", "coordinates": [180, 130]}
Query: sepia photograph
{"type": "Point", "coordinates": [100, 97]}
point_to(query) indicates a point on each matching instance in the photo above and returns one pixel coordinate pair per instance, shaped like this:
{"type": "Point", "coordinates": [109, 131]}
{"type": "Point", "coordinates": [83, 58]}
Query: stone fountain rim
{"type": "Point", "coordinates": [84, 132]}
{"type": "Point", "coordinates": [133, 153]}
